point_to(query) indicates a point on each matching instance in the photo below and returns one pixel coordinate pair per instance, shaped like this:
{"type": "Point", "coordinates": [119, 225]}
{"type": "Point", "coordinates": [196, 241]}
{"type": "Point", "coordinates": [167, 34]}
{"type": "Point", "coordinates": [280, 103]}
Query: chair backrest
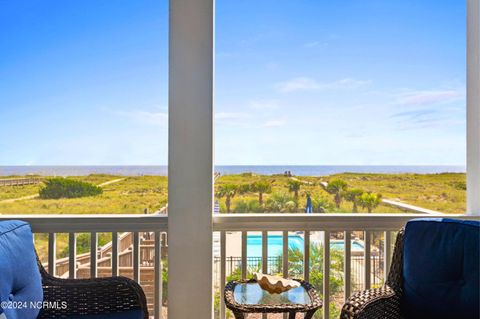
{"type": "Point", "coordinates": [441, 264]}
{"type": "Point", "coordinates": [20, 282]}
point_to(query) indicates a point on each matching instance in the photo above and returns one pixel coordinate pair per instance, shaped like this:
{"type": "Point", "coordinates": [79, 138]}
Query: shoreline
{"type": "Point", "coordinates": [162, 170]}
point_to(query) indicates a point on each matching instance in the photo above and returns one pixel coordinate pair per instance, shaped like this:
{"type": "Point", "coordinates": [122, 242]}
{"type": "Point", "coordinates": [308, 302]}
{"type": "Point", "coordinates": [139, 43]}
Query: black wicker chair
{"type": "Point", "coordinates": [94, 296]}
{"type": "Point", "coordinates": [441, 276]}
{"type": "Point", "coordinates": [381, 302]}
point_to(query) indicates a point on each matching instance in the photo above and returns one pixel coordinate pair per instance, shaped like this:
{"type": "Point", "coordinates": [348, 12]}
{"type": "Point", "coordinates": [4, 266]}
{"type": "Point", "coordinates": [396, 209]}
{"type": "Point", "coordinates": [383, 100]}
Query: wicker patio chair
{"type": "Point", "coordinates": [27, 291]}
{"type": "Point", "coordinates": [96, 296]}
{"type": "Point", "coordinates": [391, 300]}
{"type": "Point", "coordinates": [381, 302]}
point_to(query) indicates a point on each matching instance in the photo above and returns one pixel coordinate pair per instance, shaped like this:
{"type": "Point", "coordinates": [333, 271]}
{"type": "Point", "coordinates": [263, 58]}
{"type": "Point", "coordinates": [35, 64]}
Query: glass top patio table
{"type": "Point", "coordinates": [253, 294]}
{"type": "Point", "coordinates": [246, 296]}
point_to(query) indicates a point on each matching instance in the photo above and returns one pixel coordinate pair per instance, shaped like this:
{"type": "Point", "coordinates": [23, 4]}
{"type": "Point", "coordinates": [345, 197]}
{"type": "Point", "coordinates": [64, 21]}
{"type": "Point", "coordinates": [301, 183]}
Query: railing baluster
{"type": "Point", "coordinates": [223, 250]}
{"type": "Point", "coordinates": [264, 257]}
{"type": "Point", "coordinates": [244, 254]}
{"type": "Point", "coordinates": [93, 254]}
{"type": "Point", "coordinates": [387, 254]}
{"type": "Point", "coordinates": [326, 275]}
{"type": "Point", "coordinates": [367, 257]}
{"type": "Point", "coordinates": [306, 255]}
{"type": "Point", "coordinates": [265, 252]}
{"type": "Point", "coordinates": [72, 255]}
{"type": "Point", "coordinates": [158, 276]}
{"type": "Point", "coordinates": [52, 253]}
{"type": "Point", "coordinates": [115, 271]}
{"type": "Point", "coordinates": [347, 264]}
{"type": "Point", "coordinates": [285, 254]}
{"type": "Point", "coordinates": [136, 257]}
{"type": "Point", "coordinates": [285, 260]}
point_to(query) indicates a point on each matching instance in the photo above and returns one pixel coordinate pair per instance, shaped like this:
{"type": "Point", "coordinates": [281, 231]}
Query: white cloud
{"type": "Point", "coordinates": [264, 104]}
{"type": "Point", "coordinates": [309, 84]}
{"type": "Point", "coordinates": [275, 123]}
{"type": "Point", "coordinates": [416, 97]}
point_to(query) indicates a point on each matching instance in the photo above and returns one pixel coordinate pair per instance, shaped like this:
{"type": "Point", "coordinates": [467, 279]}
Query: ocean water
{"type": "Point", "coordinates": [161, 170]}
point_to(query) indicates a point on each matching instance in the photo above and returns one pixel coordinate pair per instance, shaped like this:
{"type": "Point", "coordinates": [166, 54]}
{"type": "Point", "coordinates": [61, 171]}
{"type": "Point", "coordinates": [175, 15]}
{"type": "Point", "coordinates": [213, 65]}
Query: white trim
{"type": "Point", "coordinates": [190, 159]}
{"type": "Point", "coordinates": [473, 107]}
{"type": "Point", "coordinates": [91, 223]}
{"type": "Point", "coordinates": [320, 222]}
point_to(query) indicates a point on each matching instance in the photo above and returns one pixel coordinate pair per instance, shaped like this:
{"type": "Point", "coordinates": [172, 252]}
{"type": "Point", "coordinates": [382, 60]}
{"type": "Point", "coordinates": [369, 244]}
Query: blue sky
{"type": "Point", "coordinates": [297, 82]}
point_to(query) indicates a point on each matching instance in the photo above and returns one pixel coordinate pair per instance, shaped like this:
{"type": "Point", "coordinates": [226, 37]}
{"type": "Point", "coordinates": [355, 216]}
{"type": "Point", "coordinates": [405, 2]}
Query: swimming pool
{"type": "Point", "coordinates": [340, 245]}
{"type": "Point", "coordinates": [275, 245]}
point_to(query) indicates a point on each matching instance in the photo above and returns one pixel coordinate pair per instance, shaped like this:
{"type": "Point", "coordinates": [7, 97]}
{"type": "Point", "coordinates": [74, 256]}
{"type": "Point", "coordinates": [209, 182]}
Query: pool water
{"type": "Point", "coordinates": [275, 245]}
{"type": "Point", "coordinates": [340, 245]}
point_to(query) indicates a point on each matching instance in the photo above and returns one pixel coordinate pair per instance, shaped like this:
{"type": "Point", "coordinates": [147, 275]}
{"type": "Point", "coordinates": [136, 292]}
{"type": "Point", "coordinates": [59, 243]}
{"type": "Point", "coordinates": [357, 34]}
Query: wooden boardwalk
{"type": "Point", "coordinates": [20, 181]}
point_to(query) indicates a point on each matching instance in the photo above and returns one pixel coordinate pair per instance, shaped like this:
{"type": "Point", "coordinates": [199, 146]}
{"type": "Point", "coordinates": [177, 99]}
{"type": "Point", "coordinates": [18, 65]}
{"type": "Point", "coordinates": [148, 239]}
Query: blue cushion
{"type": "Point", "coordinates": [130, 314]}
{"type": "Point", "coordinates": [20, 281]}
{"type": "Point", "coordinates": [441, 265]}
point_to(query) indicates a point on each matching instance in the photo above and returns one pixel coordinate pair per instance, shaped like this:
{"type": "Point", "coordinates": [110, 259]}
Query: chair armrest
{"type": "Point", "coordinates": [376, 303]}
{"type": "Point", "coordinates": [91, 296]}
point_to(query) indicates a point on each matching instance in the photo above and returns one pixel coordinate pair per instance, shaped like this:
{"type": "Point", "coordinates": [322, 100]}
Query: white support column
{"type": "Point", "coordinates": [190, 159]}
{"type": "Point", "coordinates": [473, 107]}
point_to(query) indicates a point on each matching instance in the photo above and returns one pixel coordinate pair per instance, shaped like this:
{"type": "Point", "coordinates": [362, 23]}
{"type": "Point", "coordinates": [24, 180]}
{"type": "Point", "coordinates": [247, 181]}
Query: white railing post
{"type": "Point", "coordinates": [473, 107]}
{"type": "Point", "coordinates": [190, 159]}
{"type": "Point", "coordinates": [347, 264]}
{"type": "Point", "coordinates": [52, 253]}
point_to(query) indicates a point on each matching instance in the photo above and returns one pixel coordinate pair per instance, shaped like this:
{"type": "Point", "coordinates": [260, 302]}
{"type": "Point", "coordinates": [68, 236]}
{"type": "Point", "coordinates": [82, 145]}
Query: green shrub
{"type": "Point", "coordinates": [459, 185]}
{"type": "Point", "coordinates": [251, 206]}
{"type": "Point", "coordinates": [281, 203]}
{"type": "Point", "coordinates": [322, 205]}
{"type": "Point", "coordinates": [241, 207]}
{"type": "Point", "coordinates": [56, 188]}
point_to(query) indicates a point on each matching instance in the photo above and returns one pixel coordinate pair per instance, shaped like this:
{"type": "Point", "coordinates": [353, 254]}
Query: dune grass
{"type": "Point", "coordinates": [445, 192]}
{"type": "Point", "coordinates": [130, 196]}
{"type": "Point", "coordinates": [442, 192]}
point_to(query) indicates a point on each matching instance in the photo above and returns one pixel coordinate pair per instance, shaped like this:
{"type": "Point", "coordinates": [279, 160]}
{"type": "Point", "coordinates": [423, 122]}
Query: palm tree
{"type": "Point", "coordinates": [370, 201]}
{"type": "Point", "coordinates": [352, 195]}
{"type": "Point", "coordinates": [228, 191]}
{"type": "Point", "coordinates": [244, 188]}
{"type": "Point", "coordinates": [294, 186]}
{"type": "Point", "coordinates": [321, 204]}
{"type": "Point", "coordinates": [337, 187]}
{"type": "Point", "coordinates": [336, 277]}
{"type": "Point", "coordinates": [280, 203]}
{"type": "Point", "coordinates": [261, 187]}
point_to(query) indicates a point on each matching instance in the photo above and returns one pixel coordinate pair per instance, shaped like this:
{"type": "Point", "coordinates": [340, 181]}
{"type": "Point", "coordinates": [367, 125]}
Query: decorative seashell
{"type": "Point", "coordinates": [274, 284]}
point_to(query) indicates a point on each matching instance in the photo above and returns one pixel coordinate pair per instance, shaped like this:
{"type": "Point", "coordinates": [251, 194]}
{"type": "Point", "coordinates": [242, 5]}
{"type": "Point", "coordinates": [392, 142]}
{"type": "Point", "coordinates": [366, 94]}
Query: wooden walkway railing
{"type": "Point", "coordinates": [20, 181]}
